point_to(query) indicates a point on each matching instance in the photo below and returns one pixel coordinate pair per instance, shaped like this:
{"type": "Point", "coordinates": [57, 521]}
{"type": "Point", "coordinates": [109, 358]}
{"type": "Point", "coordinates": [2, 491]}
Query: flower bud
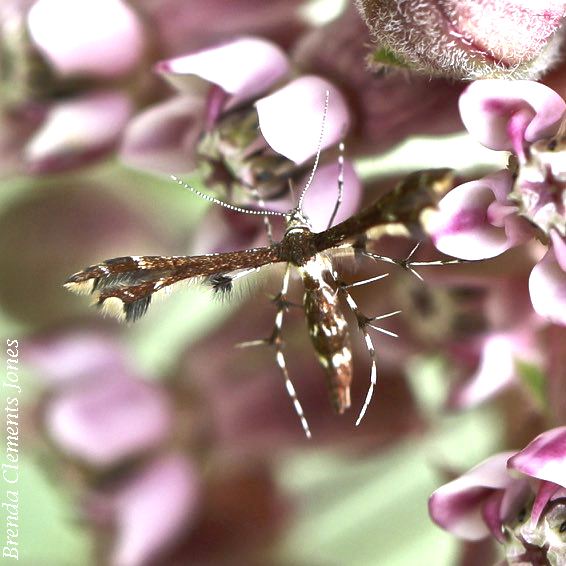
{"type": "Point", "coordinates": [466, 39]}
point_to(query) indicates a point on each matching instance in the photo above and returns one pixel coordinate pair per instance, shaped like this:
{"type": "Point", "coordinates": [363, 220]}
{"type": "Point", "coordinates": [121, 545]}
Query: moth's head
{"type": "Point", "coordinates": [297, 220]}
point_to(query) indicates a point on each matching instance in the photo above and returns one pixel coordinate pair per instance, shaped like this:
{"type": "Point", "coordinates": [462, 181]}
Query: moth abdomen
{"type": "Point", "coordinates": [328, 329]}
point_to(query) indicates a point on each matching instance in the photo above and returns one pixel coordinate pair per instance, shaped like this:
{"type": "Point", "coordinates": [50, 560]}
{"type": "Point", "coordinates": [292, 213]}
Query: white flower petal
{"type": "Point", "coordinates": [547, 287]}
{"type": "Point", "coordinates": [290, 119]}
{"type": "Point", "coordinates": [243, 68]}
{"type": "Point", "coordinates": [100, 37]}
{"type": "Point", "coordinates": [77, 128]}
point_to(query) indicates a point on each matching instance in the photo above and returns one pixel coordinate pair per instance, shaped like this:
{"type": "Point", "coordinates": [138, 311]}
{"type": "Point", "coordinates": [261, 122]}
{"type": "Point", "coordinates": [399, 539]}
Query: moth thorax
{"type": "Point", "coordinates": [297, 246]}
{"type": "Point", "coordinates": [328, 329]}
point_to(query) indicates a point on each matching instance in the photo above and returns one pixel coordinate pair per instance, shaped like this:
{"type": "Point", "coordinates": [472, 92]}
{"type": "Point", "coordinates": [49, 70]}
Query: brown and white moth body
{"type": "Point", "coordinates": [125, 286]}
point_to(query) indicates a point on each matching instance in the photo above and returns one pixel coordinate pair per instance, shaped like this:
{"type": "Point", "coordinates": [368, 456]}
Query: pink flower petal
{"type": "Point", "coordinates": [496, 371]}
{"type": "Point", "coordinates": [78, 129]}
{"type": "Point", "coordinates": [290, 119]}
{"type": "Point", "coordinates": [100, 37]}
{"type": "Point", "coordinates": [72, 356]}
{"type": "Point", "coordinates": [153, 509]}
{"type": "Point", "coordinates": [547, 287]}
{"type": "Point", "coordinates": [243, 68]}
{"type": "Point", "coordinates": [501, 114]}
{"type": "Point", "coordinates": [458, 505]}
{"type": "Point", "coordinates": [544, 458]}
{"type": "Point", "coordinates": [491, 514]}
{"type": "Point", "coordinates": [108, 419]}
{"type": "Point", "coordinates": [164, 137]}
{"type": "Point", "coordinates": [545, 493]}
{"type": "Point", "coordinates": [462, 227]}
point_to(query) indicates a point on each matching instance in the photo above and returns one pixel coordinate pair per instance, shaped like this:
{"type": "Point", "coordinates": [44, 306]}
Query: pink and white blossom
{"type": "Point", "coordinates": [217, 79]}
{"type": "Point", "coordinates": [242, 69]}
{"type": "Point", "coordinates": [518, 498]}
{"type": "Point", "coordinates": [221, 120]}
{"type": "Point", "coordinates": [484, 218]}
{"type": "Point", "coordinates": [477, 221]}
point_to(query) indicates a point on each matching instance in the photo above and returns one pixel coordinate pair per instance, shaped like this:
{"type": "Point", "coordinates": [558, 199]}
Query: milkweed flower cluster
{"type": "Point", "coordinates": [518, 498]}
{"type": "Point", "coordinates": [101, 415]}
{"type": "Point", "coordinates": [229, 120]}
{"type": "Point", "coordinates": [73, 74]}
{"type": "Point", "coordinates": [226, 118]}
{"type": "Point", "coordinates": [484, 218]}
{"type": "Point", "coordinates": [137, 471]}
{"type": "Point", "coordinates": [62, 105]}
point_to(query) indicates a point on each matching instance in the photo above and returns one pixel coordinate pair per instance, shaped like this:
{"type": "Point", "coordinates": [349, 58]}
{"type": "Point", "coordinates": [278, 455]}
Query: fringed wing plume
{"type": "Point", "coordinates": [124, 286]}
{"type": "Point", "coordinates": [402, 206]}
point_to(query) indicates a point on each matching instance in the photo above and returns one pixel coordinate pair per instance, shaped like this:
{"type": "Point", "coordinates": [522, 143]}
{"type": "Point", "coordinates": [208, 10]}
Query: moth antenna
{"type": "Point", "coordinates": [340, 184]}
{"type": "Point", "coordinates": [225, 204]}
{"type": "Point", "coordinates": [318, 150]}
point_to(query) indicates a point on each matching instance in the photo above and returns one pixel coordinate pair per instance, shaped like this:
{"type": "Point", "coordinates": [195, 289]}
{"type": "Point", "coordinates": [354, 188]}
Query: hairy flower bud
{"type": "Point", "coordinates": [466, 39]}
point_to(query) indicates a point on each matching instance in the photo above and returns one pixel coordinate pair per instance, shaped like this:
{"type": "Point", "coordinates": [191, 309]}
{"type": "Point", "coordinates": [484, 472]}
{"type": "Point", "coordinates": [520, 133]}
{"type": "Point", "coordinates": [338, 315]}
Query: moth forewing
{"type": "Point", "coordinates": [124, 287]}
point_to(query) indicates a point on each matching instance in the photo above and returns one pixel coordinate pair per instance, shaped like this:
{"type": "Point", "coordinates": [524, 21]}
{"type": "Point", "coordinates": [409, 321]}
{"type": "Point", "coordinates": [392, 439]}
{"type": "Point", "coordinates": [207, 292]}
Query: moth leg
{"type": "Point", "coordinates": [365, 281]}
{"type": "Point", "coordinates": [276, 340]}
{"type": "Point", "coordinates": [365, 320]}
{"type": "Point", "coordinates": [266, 222]}
{"type": "Point", "coordinates": [363, 323]}
{"type": "Point", "coordinates": [340, 184]}
{"type": "Point", "coordinates": [268, 229]}
{"type": "Point", "coordinates": [409, 265]}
